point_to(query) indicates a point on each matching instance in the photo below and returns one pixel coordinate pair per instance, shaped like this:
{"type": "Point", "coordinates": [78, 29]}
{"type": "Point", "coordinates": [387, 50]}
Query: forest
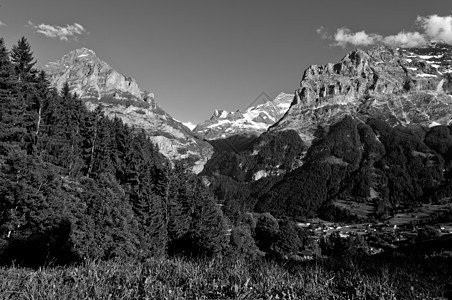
{"type": "Point", "coordinates": [76, 185]}
{"type": "Point", "coordinates": [368, 161]}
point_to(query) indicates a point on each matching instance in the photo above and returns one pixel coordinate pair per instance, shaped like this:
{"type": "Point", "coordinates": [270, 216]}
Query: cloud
{"type": "Point", "coordinates": [344, 36]}
{"type": "Point", "coordinates": [405, 39]}
{"type": "Point", "coordinates": [436, 27]}
{"type": "Point", "coordinates": [323, 33]}
{"type": "Point", "coordinates": [432, 27]}
{"type": "Point", "coordinates": [2, 24]}
{"type": "Point", "coordinates": [63, 33]}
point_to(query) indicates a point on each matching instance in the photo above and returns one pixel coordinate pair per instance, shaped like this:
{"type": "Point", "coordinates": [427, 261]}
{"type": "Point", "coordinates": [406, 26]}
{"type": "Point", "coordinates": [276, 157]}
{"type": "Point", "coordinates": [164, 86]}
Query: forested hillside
{"type": "Point", "coordinates": [366, 162]}
{"type": "Point", "coordinates": [76, 185]}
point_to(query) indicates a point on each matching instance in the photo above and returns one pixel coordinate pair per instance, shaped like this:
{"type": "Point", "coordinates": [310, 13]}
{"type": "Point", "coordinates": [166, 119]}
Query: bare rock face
{"type": "Point", "coordinates": [96, 83]}
{"type": "Point", "coordinates": [92, 78]}
{"type": "Point", "coordinates": [402, 86]}
{"type": "Point", "coordinates": [253, 121]}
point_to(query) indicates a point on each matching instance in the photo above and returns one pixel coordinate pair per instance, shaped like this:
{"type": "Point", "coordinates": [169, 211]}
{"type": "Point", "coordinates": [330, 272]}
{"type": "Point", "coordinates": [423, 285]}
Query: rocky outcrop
{"type": "Point", "coordinates": [96, 83]}
{"type": "Point", "coordinates": [92, 78]}
{"type": "Point", "coordinates": [252, 121]}
{"type": "Point", "coordinates": [402, 86]}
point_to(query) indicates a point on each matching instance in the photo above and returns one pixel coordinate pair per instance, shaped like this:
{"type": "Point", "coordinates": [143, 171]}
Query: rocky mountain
{"type": "Point", "coordinates": [402, 86]}
{"type": "Point", "coordinates": [252, 121]}
{"type": "Point", "coordinates": [375, 128]}
{"type": "Point", "coordinates": [96, 83]}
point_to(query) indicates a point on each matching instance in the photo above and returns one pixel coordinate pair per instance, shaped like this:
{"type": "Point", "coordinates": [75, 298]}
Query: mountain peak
{"type": "Point", "coordinates": [254, 120]}
{"type": "Point", "coordinates": [97, 83]}
{"type": "Point", "coordinates": [80, 53]}
{"type": "Point", "coordinates": [383, 81]}
{"type": "Point", "coordinates": [84, 51]}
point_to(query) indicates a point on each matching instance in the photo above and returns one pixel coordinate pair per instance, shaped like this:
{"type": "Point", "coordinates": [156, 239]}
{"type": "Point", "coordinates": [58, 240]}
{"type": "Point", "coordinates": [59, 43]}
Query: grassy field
{"type": "Point", "coordinates": [420, 214]}
{"type": "Point", "coordinates": [382, 277]}
{"type": "Point", "coordinates": [363, 210]}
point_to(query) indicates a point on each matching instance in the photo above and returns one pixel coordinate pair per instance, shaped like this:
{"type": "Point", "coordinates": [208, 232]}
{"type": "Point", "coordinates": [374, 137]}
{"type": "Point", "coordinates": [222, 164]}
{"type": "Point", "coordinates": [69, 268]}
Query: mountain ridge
{"type": "Point", "coordinates": [252, 121]}
{"type": "Point", "coordinates": [364, 82]}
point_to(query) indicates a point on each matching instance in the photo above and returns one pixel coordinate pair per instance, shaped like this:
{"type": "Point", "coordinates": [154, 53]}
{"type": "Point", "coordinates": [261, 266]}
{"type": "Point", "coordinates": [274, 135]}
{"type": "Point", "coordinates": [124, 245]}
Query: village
{"type": "Point", "coordinates": [405, 228]}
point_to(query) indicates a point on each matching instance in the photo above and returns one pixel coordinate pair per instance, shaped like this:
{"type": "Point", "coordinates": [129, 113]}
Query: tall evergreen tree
{"type": "Point", "coordinates": [7, 93]}
{"type": "Point", "coordinates": [23, 61]}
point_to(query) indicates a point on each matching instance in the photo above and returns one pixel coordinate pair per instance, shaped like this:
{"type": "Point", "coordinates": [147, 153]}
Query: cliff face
{"type": "Point", "coordinates": [92, 78]}
{"type": "Point", "coordinates": [97, 83]}
{"type": "Point", "coordinates": [254, 120]}
{"type": "Point", "coordinates": [402, 86]}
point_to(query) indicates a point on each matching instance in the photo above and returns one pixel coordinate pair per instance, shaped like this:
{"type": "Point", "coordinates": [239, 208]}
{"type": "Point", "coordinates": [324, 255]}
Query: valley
{"type": "Point", "coordinates": [395, 233]}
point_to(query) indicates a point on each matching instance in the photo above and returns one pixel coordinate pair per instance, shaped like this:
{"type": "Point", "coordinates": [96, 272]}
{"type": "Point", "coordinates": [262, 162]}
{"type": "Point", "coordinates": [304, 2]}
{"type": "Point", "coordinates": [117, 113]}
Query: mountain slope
{"type": "Point", "coordinates": [374, 128]}
{"type": "Point", "coordinates": [97, 83]}
{"type": "Point", "coordinates": [253, 121]}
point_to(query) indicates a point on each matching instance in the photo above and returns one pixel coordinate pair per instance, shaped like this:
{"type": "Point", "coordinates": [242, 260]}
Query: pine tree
{"type": "Point", "coordinates": [23, 61]}
{"type": "Point", "coordinates": [104, 151]}
{"type": "Point", "coordinates": [23, 94]}
{"type": "Point", "coordinates": [208, 229]}
{"type": "Point", "coordinates": [90, 139]}
{"type": "Point", "coordinates": [6, 69]}
{"type": "Point", "coordinates": [37, 104]}
{"type": "Point", "coordinates": [6, 87]}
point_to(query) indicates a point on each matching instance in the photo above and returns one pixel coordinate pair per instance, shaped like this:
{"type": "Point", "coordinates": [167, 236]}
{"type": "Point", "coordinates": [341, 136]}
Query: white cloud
{"type": "Point", "coordinates": [63, 33]}
{"type": "Point", "coordinates": [2, 24]}
{"type": "Point", "coordinates": [405, 39]}
{"type": "Point", "coordinates": [436, 27]}
{"type": "Point", "coordinates": [344, 36]}
{"type": "Point", "coordinates": [432, 27]}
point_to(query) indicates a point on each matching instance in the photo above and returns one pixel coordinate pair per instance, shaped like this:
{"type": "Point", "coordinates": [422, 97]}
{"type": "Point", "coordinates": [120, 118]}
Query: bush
{"type": "Point", "coordinates": [335, 245]}
{"type": "Point", "coordinates": [267, 229]}
{"type": "Point", "coordinates": [243, 244]}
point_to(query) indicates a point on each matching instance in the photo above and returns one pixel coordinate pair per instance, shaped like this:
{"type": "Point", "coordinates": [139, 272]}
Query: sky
{"type": "Point", "coordinates": [200, 55]}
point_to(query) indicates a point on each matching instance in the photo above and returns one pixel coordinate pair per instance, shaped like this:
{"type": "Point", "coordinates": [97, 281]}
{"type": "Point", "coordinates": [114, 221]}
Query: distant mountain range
{"type": "Point", "coordinates": [252, 121]}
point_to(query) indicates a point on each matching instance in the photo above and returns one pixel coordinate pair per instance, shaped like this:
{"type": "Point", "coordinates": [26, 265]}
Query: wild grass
{"type": "Point", "coordinates": [385, 277]}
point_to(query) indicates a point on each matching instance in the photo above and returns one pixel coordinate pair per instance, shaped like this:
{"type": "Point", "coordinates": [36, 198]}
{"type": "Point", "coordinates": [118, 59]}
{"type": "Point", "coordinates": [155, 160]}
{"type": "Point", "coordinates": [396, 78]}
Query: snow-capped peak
{"type": "Point", "coordinates": [190, 125]}
{"type": "Point", "coordinates": [254, 119]}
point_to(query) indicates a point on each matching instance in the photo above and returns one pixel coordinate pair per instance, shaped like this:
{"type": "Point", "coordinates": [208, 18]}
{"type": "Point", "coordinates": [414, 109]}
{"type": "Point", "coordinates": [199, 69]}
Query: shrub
{"type": "Point", "coordinates": [243, 244]}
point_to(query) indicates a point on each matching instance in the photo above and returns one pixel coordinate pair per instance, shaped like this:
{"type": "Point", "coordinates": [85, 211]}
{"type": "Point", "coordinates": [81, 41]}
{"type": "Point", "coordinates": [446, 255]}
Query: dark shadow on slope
{"type": "Point", "coordinates": [48, 247]}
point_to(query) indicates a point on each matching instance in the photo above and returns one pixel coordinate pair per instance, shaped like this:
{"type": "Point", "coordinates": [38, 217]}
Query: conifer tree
{"type": "Point", "coordinates": [104, 151]}
{"type": "Point", "coordinates": [23, 61]}
{"type": "Point", "coordinates": [7, 94]}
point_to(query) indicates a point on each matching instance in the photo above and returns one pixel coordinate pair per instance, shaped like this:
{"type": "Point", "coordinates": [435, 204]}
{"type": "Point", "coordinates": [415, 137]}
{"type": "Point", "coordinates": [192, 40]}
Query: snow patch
{"type": "Point", "coordinates": [190, 125]}
{"type": "Point", "coordinates": [425, 75]}
{"type": "Point", "coordinates": [220, 122]}
{"type": "Point", "coordinates": [260, 174]}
